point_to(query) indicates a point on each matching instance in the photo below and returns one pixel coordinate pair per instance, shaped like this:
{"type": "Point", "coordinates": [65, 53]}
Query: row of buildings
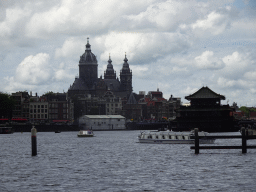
{"type": "Point", "coordinates": [58, 107]}
{"type": "Point", "coordinates": [112, 95]}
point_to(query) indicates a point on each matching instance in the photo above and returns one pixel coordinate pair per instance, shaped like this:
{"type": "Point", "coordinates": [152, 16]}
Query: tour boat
{"type": "Point", "coordinates": [172, 137]}
{"type": "Point", "coordinates": [85, 133]}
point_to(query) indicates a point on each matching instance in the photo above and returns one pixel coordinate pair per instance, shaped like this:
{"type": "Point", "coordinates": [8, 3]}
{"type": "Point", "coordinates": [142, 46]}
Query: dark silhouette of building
{"type": "Point", "coordinates": [206, 113]}
{"type": "Point", "coordinates": [89, 83]}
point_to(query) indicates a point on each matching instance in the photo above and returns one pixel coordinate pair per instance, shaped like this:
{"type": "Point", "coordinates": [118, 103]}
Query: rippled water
{"type": "Point", "coordinates": [114, 161]}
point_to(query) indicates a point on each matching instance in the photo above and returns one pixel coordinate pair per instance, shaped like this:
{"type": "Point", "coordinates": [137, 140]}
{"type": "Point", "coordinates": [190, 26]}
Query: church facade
{"type": "Point", "coordinates": [89, 83]}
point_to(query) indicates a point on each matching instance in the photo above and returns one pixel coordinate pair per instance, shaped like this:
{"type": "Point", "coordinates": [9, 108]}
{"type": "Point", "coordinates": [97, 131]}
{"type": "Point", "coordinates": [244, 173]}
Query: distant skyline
{"type": "Point", "coordinates": [176, 46]}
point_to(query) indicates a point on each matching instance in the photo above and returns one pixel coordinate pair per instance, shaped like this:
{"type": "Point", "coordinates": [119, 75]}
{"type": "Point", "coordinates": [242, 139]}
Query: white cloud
{"type": "Point", "coordinates": [13, 18]}
{"type": "Point", "coordinates": [251, 75]}
{"type": "Point", "coordinates": [208, 61]}
{"type": "Point", "coordinates": [215, 23]}
{"type": "Point", "coordinates": [70, 48]}
{"type": "Point", "coordinates": [143, 48]}
{"type": "Point", "coordinates": [236, 65]}
{"type": "Point", "coordinates": [34, 70]}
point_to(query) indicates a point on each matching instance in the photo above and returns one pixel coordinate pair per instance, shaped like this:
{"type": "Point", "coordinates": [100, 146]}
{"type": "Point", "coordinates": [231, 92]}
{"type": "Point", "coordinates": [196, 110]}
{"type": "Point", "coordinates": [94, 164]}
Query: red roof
{"type": "Point", "coordinates": [57, 121]}
{"type": "Point", "coordinates": [18, 119]}
{"type": "Point", "coordinates": [253, 114]}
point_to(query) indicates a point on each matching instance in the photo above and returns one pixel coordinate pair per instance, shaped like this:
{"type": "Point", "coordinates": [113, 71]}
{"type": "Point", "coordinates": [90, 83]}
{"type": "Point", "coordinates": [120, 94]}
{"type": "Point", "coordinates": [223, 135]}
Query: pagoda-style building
{"type": "Point", "coordinates": [206, 113]}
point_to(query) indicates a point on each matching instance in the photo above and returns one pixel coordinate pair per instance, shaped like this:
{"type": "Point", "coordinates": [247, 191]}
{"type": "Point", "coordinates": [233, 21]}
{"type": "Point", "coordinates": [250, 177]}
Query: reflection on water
{"type": "Point", "coordinates": [114, 161]}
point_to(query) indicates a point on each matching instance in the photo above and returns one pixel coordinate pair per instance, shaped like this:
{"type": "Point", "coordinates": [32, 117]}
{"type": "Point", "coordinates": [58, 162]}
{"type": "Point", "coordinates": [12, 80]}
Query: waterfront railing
{"type": "Point", "coordinates": [244, 136]}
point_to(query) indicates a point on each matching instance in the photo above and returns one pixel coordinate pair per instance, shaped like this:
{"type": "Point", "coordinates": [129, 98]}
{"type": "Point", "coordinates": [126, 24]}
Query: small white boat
{"type": "Point", "coordinates": [171, 137]}
{"type": "Point", "coordinates": [85, 133]}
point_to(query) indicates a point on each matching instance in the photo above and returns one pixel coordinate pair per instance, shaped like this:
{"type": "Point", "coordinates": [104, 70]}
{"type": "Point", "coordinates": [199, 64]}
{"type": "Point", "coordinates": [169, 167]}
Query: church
{"type": "Point", "coordinates": [88, 82]}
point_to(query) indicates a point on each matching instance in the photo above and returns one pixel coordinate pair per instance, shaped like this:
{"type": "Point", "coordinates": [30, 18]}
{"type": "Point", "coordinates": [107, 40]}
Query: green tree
{"type": "Point", "coordinates": [247, 110]}
{"type": "Point", "coordinates": [6, 105]}
{"type": "Point", "coordinates": [49, 93]}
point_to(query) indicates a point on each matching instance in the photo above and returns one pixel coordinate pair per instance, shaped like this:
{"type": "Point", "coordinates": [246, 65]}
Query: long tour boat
{"type": "Point", "coordinates": [172, 137]}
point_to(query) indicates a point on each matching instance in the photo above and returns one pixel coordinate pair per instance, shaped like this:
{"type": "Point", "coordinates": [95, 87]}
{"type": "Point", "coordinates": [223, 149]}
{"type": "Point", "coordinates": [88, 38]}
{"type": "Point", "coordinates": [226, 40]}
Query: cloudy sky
{"type": "Point", "coordinates": [176, 46]}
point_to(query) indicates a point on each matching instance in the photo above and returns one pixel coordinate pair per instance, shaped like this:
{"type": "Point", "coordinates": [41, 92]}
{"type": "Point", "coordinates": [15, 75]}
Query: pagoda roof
{"type": "Point", "coordinates": [205, 93]}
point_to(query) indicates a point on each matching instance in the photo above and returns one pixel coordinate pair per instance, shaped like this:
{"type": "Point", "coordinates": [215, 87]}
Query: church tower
{"type": "Point", "coordinates": [88, 66]}
{"type": "Point", "coordinates": [110, 73]}
{"type": "Point", "coordinates": [126, 77]}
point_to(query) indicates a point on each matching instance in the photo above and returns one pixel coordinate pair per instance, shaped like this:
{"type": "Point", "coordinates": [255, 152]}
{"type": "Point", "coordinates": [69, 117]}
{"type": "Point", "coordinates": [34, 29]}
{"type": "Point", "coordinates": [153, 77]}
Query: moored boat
{"type": "Point", "coordinates": [171, 137]}
{"type": "Point", "coordinates": [85, 133]}
{"type": "Point", "coordinates": [6, 130]}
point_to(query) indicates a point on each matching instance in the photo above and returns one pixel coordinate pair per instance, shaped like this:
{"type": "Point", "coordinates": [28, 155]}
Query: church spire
{"type": "Point", "coordinates": [88, 46]}
{"type": "Point", "coordinates": [126, 65]}
{"type": "Point", "coordinates": [110, 73]}
{"type": "Point", "coordinates": [126, 76]}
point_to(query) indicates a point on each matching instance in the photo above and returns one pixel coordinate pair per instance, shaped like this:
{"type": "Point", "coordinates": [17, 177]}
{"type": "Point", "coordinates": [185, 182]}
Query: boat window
{"type": "Point", "coordinates": [170, 137]}
{"type": "Point", "coordinates": [150, 137]}
{"type": "Point", "coordinates": [176, 137]}
{"type": "Point", "coordinates": [157, 137]}
{"type": "Point", "coordinates": [183, 137]}
{"type": "Point", "coordinates": [163, 136]}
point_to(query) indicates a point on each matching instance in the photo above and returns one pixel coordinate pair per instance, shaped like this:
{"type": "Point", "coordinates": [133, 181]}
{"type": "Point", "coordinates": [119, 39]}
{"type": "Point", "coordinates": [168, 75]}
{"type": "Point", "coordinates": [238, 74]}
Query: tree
{"type": "Point", "coordinates": [6, 105]}
{"type": "Point", "coordinates": [247, 110]}
{"type": "Point", "coordinates": [49, 93]}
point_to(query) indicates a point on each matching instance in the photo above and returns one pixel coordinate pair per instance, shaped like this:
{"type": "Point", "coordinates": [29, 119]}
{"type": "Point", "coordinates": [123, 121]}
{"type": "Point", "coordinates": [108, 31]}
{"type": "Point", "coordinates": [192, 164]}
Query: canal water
{"type": "Point", "coordinates": [114, 161]}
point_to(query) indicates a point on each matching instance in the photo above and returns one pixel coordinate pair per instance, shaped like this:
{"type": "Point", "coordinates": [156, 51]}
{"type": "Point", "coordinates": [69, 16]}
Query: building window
{"type": "Point", "coordinates": [38, 116]}
{"type": "Point", "coordinates": [42, 116]}
{"type": "Point", "coordinates": [46, 106]}
{"type": "Point", "coordinates": [34, 116]}
{"type": "Point", "coordinates": [38, 106]}
{"type": "Point", "coordinates": [45, 110]}
{"type": "Point", "coordinates": [42, 110]}
{"type": "Point", "coordinates": [42, 106]}
{"type": "Point", "coordinates": [34, 106]}
{"type": "Point", "coordinates": [45, 116]}
{"type": "Point", "coordinates": [34, 110]}
{"type": "Point", "coordinates": [38, 110]}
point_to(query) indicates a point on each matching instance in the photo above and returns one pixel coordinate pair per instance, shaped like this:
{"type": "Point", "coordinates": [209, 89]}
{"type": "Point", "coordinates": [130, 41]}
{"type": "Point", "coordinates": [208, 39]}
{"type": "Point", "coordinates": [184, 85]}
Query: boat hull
{"type": "Point", "coordinates": [84, 135]}
{"type": "Point", "coordinates": [176, 141]}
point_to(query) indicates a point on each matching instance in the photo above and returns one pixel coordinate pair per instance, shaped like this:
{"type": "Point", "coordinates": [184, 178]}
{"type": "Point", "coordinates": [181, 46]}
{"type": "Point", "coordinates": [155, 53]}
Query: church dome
{"type": "Point", "coordinates": [88, 57]}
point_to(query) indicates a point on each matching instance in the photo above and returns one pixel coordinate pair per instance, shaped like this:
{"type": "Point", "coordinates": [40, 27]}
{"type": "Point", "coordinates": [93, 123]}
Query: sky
{"type": "Point", "coordinates": [171, 45]}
